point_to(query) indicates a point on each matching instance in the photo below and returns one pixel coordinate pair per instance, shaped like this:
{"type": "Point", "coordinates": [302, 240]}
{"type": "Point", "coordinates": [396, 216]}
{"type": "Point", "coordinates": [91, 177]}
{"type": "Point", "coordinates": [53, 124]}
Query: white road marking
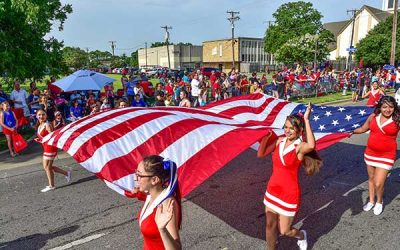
{"type": "Point", "coordinates": [79, 242]}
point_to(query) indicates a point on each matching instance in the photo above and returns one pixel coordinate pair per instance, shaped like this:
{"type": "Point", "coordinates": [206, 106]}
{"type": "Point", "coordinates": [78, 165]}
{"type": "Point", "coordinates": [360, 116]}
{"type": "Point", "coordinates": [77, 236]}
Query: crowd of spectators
{"type": "Point", "coordinates": [193, 89]}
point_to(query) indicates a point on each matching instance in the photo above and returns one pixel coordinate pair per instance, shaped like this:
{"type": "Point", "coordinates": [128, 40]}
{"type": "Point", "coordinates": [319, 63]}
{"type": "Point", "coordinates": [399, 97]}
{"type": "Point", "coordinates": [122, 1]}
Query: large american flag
{"type": "Point", "coordinates": [201, 141]}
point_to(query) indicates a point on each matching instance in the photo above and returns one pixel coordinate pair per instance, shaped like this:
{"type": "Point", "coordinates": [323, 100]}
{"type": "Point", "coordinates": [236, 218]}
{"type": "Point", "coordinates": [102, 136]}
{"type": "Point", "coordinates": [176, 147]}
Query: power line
{"type": "Point", "coordinates": [232, 20]}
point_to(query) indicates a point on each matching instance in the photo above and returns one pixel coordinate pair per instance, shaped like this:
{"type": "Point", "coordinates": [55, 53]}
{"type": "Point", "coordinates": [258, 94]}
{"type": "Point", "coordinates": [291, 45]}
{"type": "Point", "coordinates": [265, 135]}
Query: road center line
{"type": "Point", "coordinates": [80, 241]}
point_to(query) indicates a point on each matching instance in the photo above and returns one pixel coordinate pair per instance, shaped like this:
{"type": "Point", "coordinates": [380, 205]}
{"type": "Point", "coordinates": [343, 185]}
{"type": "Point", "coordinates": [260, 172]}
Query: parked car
{"type": "Point", "coordinates": [207, 71]}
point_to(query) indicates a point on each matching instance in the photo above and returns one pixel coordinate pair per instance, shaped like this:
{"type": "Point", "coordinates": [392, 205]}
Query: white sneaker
{"type": "Point", "coordinates": [47, 188]}
{"type": "Point", "coordinates": [378, 208]}
{"type": "Point", "coordinates": [368, 206]}
{"type": "Point", "coordinates": [303, 243]}
{"type": "Point", "coordinates": [68, 177]}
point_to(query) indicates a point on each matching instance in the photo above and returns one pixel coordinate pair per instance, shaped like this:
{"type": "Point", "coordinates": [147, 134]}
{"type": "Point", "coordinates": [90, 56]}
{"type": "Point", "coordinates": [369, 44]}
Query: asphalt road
{"type": "Point", "coordinates": [225, 212]}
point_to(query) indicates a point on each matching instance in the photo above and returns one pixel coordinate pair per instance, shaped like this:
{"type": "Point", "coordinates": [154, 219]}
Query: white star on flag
{"type": "Point", "coordinates": [342, 130]}
{"type": "Point", "coordinates": [316, 118]}
{"type": "Point", "coordinates": [321, 127]}
{"type": "Point", "coordinates": [328, 113]}
{"type": "Point", "coordinates": [341, 109]}
{"type": "Point", "coordinates": [335, 122]}
{"type": "Point", "coordinates": [362, 112]}
{"type": "Point", "coordinates": [356, 125]}
{"type": "Point", "coordinates": [348, 117]}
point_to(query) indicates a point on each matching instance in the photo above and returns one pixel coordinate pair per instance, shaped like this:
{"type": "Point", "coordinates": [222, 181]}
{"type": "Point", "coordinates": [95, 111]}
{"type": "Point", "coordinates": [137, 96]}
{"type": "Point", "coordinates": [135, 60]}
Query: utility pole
{"type": "Point", "coordinates": [145, 51]}
{"type": "Point", "coordinates": [88, 59]}
{"type": "Point", "coordinates": [113, 46]}
{"type": "Point", "coordinates": [232, 20]}
{"type": "Point", "coordinates": [353, 11]}
{"type": "Point", "coordinates": [394, 34]}
{"type": "Point", "coordinates": [167, 41]}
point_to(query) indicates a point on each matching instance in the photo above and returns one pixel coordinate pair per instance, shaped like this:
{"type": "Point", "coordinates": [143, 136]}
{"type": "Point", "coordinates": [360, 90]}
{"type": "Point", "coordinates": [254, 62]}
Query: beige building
{"type": "Point", "coordinates": [249, 54]}
{"type": "Point", "coordinates": [366, 19]}
{"type": "Point", "coordinates": [181, 56]}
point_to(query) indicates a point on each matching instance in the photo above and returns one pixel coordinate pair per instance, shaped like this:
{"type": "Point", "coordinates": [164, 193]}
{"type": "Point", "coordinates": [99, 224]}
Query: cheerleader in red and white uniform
{"type": "Point", "coordinates": [282, 197]}
{"type": "Point", "coordinates": [374, 94]}
{"type": "Point", "coordinates": [49, 152]}
{"type": "Point", "coordinates": [380, 154]}
{"type": "Point", "coordinates": [160, 218]}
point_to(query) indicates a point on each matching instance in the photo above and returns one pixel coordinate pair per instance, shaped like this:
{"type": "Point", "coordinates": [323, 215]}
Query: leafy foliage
{"type": "Point", "coordinates": [295, 32]}
{"type": "Point", "coordinates": [24, 50]}
{"type": "Point", "coordinates": [375, 47]}
{"type": "Point", "coordinates": [303, 49]}
{"type": "Point", "coordinates": [159, 44]}
{"type": "Point", "coordinates": [75, 58]}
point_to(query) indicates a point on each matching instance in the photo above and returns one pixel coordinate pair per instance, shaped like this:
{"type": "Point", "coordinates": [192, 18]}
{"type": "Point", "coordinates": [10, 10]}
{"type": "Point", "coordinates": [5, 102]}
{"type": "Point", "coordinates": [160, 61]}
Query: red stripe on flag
{"type": "Point", "coordinates": [330, 139]}
{"type": "Point", "coordinates": [251, 97]}
{"type": "Point", "coordinates": [127, 164]}
{"type": "Point", "coordinates": [274, 113]}
{"type": "Point", "coordinates": [87, 126]}
{"type": "Point", "coordinates": [246, 109]}
{"type": "Point", "coordinates": [115, 132]}
{"type": "Point", "coordinates": [210, 159]}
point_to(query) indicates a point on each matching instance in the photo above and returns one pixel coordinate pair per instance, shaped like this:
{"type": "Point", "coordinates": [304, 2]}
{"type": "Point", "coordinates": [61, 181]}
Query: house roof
{"type": "Point", "coordinates": [338, 27]}
{"type": "Point", "coordinates": [335, 27]}
{"type": "Point", "coordinates": [380, 15]}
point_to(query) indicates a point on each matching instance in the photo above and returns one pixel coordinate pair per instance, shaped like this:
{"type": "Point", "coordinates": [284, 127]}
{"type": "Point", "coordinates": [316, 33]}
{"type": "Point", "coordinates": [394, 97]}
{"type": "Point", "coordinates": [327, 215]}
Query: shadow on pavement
{"type": "Point", "coordinates": [82, 180]}
{"type": "Point", "coordinates": [36, 241]}
{"type": "Point", "coordinates": [235, 193]}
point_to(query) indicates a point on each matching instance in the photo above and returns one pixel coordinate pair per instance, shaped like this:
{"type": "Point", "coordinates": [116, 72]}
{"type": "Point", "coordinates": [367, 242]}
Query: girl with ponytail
{"type": "Point", "coordinates": [282, 197]}
{"type": "Point", "coordinates": [160, 217]}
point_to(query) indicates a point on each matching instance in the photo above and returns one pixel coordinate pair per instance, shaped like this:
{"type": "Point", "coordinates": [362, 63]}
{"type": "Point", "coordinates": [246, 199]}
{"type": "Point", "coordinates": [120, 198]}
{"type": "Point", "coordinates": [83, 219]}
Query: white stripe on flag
{"type": "Point", "coordinates": [258, 117]}
{"type": "Point", "coordinates": [225, 106]}
{"type": "Point", "coordinates": [101, 127]}
{"type": "Point", "coordinates": [126, 144]}
{"type": "Point", "coordinates": [64, 137]}
{"type": "Point", "coordinates": [280, 119]}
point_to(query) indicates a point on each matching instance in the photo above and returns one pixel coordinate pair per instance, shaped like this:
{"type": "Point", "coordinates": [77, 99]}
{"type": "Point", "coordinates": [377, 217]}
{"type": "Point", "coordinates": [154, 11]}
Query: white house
{"type": "Point", "coordinates": [366, 19]}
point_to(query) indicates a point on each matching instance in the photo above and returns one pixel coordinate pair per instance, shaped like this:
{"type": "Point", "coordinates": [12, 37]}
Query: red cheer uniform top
{"type": "Point", "coordinates": [49, 152]}
{"type": "Point", "coordinates": [382, 145]}
{"type": "Point", "coordinates": [283, 189]}
{"type": "Point", "coordinates": [374, 97]}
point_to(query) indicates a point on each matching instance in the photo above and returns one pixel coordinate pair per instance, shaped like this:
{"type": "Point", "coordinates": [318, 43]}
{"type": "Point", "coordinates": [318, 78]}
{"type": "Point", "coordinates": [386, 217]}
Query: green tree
{"type": "Point", "coordinates": [159, 44]}
{"type": "Point", "coordinates": [134, 62]}
{"type": "Point", "coordinates": [75, 58]}
{"type": "Point", "coordinates": [292, 20]}
{"type": "Point", "coordinates": [305, 49]}
{"type": "Point", "coordinates": [24, 50]}
{"type": "Point", "coordinates": [375, 47]}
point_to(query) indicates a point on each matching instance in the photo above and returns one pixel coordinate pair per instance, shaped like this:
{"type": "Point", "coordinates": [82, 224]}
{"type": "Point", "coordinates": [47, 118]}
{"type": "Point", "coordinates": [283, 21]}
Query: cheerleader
{"type": "Point", "coordinates": [380, 154]}
{"type": "Point", "coordinates": [160, 218]}
{"type": "Point", "coordinates": [282, 198]}
{"type": "Point", "coordinates": [374, 94]}
{"type": "Point", "coordinates": [49, 152]}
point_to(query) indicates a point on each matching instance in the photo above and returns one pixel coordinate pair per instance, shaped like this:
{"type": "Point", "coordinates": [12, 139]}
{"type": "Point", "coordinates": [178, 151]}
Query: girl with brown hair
{"type": "Point", "coordinates": [282, 197]}
{"type": "Point", "coordinates": [49, 152]}
{"type": "Point", "coordinates": [160, 218]}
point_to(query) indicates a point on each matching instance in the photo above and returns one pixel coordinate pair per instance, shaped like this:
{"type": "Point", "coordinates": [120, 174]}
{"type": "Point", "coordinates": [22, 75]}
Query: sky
{"type": "Point", "coordinates": [131, 23]}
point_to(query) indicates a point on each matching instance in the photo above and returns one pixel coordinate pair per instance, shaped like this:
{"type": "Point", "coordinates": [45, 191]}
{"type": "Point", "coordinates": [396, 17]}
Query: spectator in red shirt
{"type": "Point", "coordinates": [213, 77]}
{"type": "Point", "coordinates": [54, 90]}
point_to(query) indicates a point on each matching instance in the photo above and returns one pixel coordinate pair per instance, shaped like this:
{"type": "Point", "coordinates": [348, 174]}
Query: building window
{"type": "Point", "coordinates": [220, 50]}
{"type": "Point", "coordinates": [390, 4]}
{"type": "Point", "coordinates": [242, 57]}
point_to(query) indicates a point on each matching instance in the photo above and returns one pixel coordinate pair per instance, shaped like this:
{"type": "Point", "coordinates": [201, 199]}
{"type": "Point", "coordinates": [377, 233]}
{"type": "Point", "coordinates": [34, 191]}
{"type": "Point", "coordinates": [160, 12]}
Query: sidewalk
{"type": "Point", "coordinates": [32, 155]}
